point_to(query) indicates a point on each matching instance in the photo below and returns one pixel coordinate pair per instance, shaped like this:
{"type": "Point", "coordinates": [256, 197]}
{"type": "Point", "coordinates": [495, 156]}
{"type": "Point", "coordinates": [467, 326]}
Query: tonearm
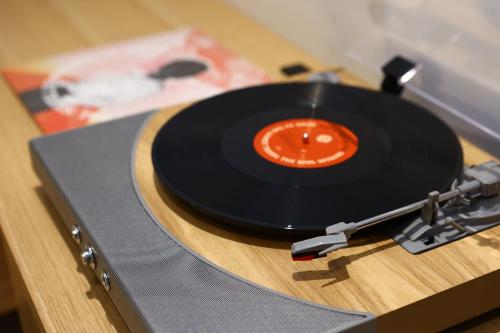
{"type": "Point", "coordinates": [457, 209]}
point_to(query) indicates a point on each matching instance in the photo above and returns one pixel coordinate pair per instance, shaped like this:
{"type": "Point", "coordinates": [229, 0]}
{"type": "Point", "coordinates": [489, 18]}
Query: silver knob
{"type": "Point", "coordinates": [76, 234]}
{"type": "Point", "coordinates": [88, 256]}
{"type": "Point", "coordinates": [105, 280]}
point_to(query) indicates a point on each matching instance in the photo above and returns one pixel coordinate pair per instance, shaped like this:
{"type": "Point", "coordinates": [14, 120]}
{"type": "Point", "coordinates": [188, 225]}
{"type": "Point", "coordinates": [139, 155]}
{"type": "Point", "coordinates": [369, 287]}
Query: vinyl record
{"type": "Point", "coordinates": [299, 157]}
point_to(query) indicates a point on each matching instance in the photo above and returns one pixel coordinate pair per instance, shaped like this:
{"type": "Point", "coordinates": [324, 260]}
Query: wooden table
{"type": "Point", "coordinates": [51, 290]}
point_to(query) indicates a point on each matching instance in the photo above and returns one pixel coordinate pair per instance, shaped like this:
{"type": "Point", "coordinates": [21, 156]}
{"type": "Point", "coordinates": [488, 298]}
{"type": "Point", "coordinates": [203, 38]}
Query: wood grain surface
{"type": "Point", "coordinates": [6, 297]}
{"type": "Point", "coordinates": [52, 290]}
{"type": "Point", "coordinates": [375, 275]}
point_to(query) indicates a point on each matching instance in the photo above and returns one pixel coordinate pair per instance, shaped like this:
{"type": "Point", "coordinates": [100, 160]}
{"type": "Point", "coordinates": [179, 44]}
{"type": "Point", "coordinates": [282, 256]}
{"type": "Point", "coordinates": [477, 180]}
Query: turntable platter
{"type": "Point", "coordinates": [297, 157]}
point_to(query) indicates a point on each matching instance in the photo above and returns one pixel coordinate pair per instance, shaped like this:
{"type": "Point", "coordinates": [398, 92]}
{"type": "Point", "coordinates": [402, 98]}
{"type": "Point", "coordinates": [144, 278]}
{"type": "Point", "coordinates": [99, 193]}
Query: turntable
{"type": "Point", "coordinates": [187, 215]}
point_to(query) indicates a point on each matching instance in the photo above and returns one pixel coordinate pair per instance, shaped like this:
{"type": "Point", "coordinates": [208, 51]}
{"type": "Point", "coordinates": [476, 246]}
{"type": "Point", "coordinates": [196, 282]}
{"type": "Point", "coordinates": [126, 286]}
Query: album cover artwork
{"type": "Point", "coordinates": [118, 80]}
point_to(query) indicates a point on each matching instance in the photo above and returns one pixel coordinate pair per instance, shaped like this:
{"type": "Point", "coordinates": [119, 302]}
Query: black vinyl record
{"type": "Point", "coordinates": [299, 157]}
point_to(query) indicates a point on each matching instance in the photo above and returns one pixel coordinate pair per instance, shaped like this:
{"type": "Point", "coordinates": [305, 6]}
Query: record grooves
{"type": "Point", "coordinates": [364, 153]}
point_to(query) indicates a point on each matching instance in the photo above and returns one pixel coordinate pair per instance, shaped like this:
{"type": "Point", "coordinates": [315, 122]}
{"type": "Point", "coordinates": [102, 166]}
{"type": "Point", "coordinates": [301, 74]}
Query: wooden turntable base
{"type": "Point", "coordinates": [425, 292]}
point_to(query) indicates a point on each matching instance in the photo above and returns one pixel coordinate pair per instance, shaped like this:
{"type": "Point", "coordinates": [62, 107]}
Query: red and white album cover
{"type": "Point", "coordinates": [118, 80]}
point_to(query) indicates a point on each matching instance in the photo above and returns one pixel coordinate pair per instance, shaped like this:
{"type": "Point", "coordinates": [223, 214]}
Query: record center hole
{"type": "Point", "coordinates": [305, 138]}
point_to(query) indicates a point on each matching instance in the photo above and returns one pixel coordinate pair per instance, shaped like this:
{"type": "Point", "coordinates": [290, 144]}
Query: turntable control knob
{"type": "Point", "coordinates": [105, 280]}
{"type": "Point", "coordinates": [88, 256]}
{"type": "Point", "coordinates": [76, 234]}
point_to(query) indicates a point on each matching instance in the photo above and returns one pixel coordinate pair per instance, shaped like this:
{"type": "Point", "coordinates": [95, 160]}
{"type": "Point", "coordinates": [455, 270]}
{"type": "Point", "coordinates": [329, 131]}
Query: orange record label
{"type": "Point", "coordinates": [305, 143]}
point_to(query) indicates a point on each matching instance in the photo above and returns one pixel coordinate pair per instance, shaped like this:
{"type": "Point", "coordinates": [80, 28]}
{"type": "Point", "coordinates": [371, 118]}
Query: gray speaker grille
{"type": "Point", "coordinates": [156, 283]}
